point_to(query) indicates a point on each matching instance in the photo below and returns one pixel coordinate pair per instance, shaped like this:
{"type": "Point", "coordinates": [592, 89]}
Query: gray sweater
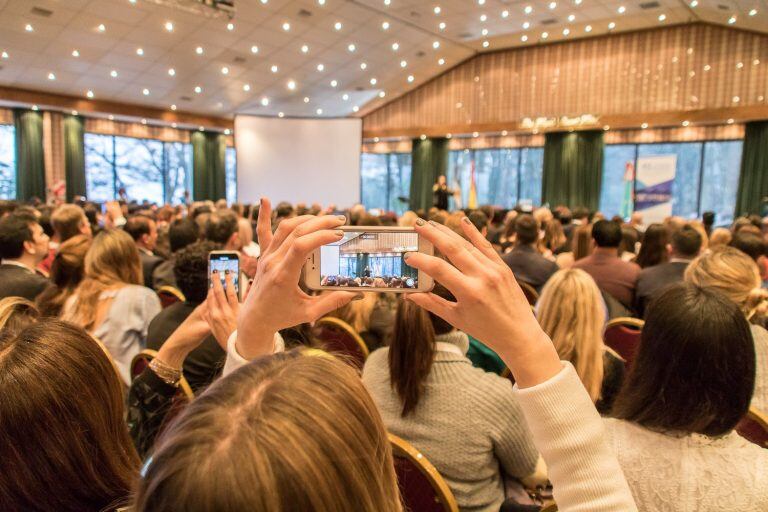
{"type": "Point", "coordinates": [467, 423]}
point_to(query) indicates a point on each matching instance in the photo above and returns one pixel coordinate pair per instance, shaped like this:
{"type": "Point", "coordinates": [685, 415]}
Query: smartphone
{"type": "Point", "coordinates": [225, 262]}
{"type": "Point", "coordinates": [369, 259]}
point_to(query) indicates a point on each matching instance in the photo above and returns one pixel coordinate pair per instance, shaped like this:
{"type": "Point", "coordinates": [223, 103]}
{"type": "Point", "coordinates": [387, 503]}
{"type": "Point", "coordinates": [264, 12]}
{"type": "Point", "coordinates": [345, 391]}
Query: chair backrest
{"type": "Point", "coordinates": [530, 292]}
{"type": "Point", "coordinates": [169, 295]}
{"type": "Point", "coordinates": [550, 508]}
{"type": "Point", "coordinates": [421, 486]}
{"type": "Point", "coordinates": [141, 361]}
{"type": "Point", "coordinates": [339, 337]}
{"type": "Point", "coordinates": [623, 336]}
{"type": "Point", "coordinates": [754, 427]}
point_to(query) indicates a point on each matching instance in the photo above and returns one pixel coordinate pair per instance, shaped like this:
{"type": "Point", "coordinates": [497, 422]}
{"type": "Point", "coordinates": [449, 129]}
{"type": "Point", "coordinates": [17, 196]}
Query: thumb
{"type": "Point", "coordinates": [322, 304]}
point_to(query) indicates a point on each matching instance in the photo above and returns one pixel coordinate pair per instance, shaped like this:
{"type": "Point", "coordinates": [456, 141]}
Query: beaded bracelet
{"type": "Point", "coordinates": [167, 374]}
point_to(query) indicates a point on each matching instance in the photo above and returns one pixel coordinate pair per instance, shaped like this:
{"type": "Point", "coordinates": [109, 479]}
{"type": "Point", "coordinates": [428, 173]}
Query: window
{"type": "Point", "coordinates": [503, 177]}
{"type": "Point", "coordinates": [230, 170]}
{"type": "Point", "coordinates": [147, 169]}
{"type": "Point", "coordinates": [7, 161]}
{"type": "Point", "coordinates": [706, 177]}
{"type": "Point", "coordinates": [385, 181]}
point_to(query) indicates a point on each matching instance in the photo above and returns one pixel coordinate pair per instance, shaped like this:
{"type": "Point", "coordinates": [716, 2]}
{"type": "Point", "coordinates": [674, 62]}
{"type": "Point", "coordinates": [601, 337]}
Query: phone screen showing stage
{"type": "Point", "coordinates": [225, 263]}
{"type": "Point", "coordinates": [365, 259]}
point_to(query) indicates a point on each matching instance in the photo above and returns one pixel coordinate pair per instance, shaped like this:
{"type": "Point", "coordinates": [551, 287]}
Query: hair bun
{"type": "Point", "coordinates": [757, 302]}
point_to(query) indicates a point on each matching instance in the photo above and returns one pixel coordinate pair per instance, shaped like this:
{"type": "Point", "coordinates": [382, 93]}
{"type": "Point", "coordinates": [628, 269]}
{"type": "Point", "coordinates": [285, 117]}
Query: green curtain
{"type": "Point", "coordinates": [753, 181]}
{"type": "Point", "coordinates": [209, 160]}
{"type": "Point", "coordinates": [74, 156]}
{"type": "Point", "coordinates": [573, 168]}
{"type": "Point", "coordinates": [429, 159]}
{"type": "Point", "coordinates": [30, 161]}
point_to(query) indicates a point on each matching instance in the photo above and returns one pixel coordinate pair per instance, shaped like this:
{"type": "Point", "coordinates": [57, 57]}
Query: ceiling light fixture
{"type": "Point", "coordinates": [306, 99]}
{"type": "Point", "coordinates": [483, 17]}
{"type": "Point", "coordinates": [504, 133]}
{"type": "Point", "coordinates": [566, 31]}
{"type": "Point", "coordinates": [395, 46]}
{"type": "Point", "coordinates": [423, 137]}
{"type": "Point", "coordinates": [355, 108]}
{"type": "Point", "coordinates": [440, 62]}
{"type": "Point", "coordinates": [101, 27]}
{"type": "Point", "coordinates": [291, 85]}
{"type": "Point", "coordinates": [140, 52]}
{"type": "Point", "coordinates": [246, 87]}
{"type": "Point", "coordinates": [35, 108]}
{"type": "Point", "coordinates": [113, 73]}
{"type": "Point", "coordinates": [319, 111]}
{"type": "Point", "coordinates": [611, 26]}
{"type": "Point", "coordinates": [281, 114]}
{"type": "Point", "coordinates": [29, 28]}
{"type": "Point", "coordinates": [752, 12]}
{"type": "Point", "coordinates": [436, 10]}
{"type": "Point", "coordinates": [145, 92]}
{"type": "Point", "coordinates": [382, 94]}
{"type": "Point", "coordinates": [373, 81]}
{"type": "Point", "coordinates": [403, 63]}
{"type": "Point", "coordinates": [264, 101]}
{"type": "Point", "coordinates": [662, 17]}
{"type": "Point", "coordinates": [230, 26]}
{"type": "Point", "coordinates": [484, 32]}
{"type": "Point", "coordinates": [198, 89]}
{"type": "Point", "coordinates": [436, 45]}
{"type": "Point", "coordinates": [75, 53]}
{"type": "Point", "coordinates": [173, 107]}
{"type": "Point", "coordinates": [385, 25]}
{"type": "Point", "coordinates": [143, 121]}
{"type": "Point", "coordinates": [621, 9]}
{"type": "Point", "coordinates": [171, 71]}
{"type": "Point", "coordinates": [4, 55]}
{"type": "Point", "coordinates": [320, 67]}
{"type": "Point", "coordinates": [351, 47]}
{"type": "Point", "coordinates": [199, 50]}
{"type": "Point", "coordinates": [552, 6]}
{"type": "Point", "coordinates": [528, 9]}
{"type": "Point", "coordinates": [441, 25]}
{"type": "Point", "coordinates": [544, 35]}
{"type": "Point", "coordinates": [644, 126]}
{"type": "Point", "coordinates": [254, 49]}
{"type": "Point", "coordinates": [345, 97]}
{"type": "Point", "coordinates": [588, 28]}
{"type": "Point", "coordinates": [227, 131]}
{"type": "Point", "coordinates": [694, 3]}
{"type": "Point", "coordinates": [337, 26]}
{"type": "Point", "coordinates": [505, 14]}
{"type": "Point", "coordinates": [169, 26]}
{"type": "Point", "coordinates": [363, 65]}
{"type": "Point", "coordinates": [286, 26]}
{"type": "Point", "coordinates": [732, 20]}
{"type": "Point", "coordinates": [410, 79]}
{"type": "Point", "coordinates": [334, 83]}
{"type": "Point", "coordinates": [225, 70]}
{"type": "Point", "coordinates": [89, 94]}
{"type": "Point", "coordinates": [320, 2]}
{"type": "Point", "coordinates": [273, 68]}
{"type": "Point", "coordinates": [304, 48]}
{"type": "Point", "coordinates": [526, 25]}
{"type": "Point", "coordinates": [524, 38]}
{"type": "Point", "coordinates": [571, 17]}
{"type": "Point", "coordinates": [480, 2]}
{"type": "Point", "coordinates": [74, 112]}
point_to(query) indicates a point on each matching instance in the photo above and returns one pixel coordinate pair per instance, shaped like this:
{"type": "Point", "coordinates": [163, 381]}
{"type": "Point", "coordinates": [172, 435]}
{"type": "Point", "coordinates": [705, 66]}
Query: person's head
{"type": "Point", "coordinates": [69, 220]}
{"type": "Point", "coordinates": [554, 235]}
{"type": "Point", "coordinates": [480, 220]}
{"type": "Point", "coordinates": [653, 250]}
{"type": "Point", "coordinates": [686, 243]}
{"type": "Point", "coordinates": [571, 311]}
{"type": "Point", "coordinates": [143, 230]}
{"type": "Point", "coordinates": [245, 231]}
{"type": "Point", "coordinates": [22, 238]}
{"type": "Point", "coordinates": [221, 228]}
{"type": "Point", "coordinates": [339, 456]}
{"type": "Point", "coordinates": [543, 215]}
{"type": "Point", "coordinates": [732, 273]}
{"type": "Point", "coordinates": [636, 219]}
{"type": "Point", "coordinates": [16, 313]}
{"type": "Point", "coordinates": [749, 243]}
{"type": "Point", "coordinates": [628, 240]}
{"type": "Point", "coordinates": [408, 219]}
{"type": "Point", "coordinates": [357, 313]}
{"type": "Point", "coordinates": [582, 241]}
{"type": "Point", "coordinates": [63, 425]}
{"type": "Point", "coordinates": [190, 267]}
{"type": "Point", "coordinates": [606, 234]}
{"type": "Point", "coordinates": [441, 180]}
{"type": "Point", "coordinates": [705, 383]}
{"type": "Point", "coordinates": [285, 210]}
{"type": "Point", "coordinates": [413, 346]}
{"type": "Point", "coordinates": [581, 213]}
{"type": "Point", "coordinates": [708, 218]}
{"type": "Point", "coordinates": [181, 233]}
{"type": "Point", "coordinates": [526, 230]}
{"type": "Point", "coordinates": [67, 272]}
{"type": "Point", "coordinates": [720, 237]}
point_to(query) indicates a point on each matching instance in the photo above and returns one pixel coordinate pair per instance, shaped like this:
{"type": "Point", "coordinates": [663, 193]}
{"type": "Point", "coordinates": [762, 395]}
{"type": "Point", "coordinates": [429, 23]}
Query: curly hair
{"type": "Point", "coordinates": [191, 270]}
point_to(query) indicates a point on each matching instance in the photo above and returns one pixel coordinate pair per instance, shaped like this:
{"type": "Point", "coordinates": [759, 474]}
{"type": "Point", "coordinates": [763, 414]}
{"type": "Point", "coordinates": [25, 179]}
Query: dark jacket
{"type": "Point", "coordinates": [530, 266]}
{"type": "Point", "coordinates": [16, 281]}
{"type": "Point", "coordinates": [654, 279]}
{"type": "Point", "coordinates": [148, 264]}
{"type": "Point", "coordinates": [149, 402]}
{"type": "Point", "coordinates": [163, 275]}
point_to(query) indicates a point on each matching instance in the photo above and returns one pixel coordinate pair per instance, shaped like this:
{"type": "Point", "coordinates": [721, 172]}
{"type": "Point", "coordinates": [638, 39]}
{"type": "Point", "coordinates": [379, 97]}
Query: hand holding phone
{"type": "Point", "coordinates": [224, 263]}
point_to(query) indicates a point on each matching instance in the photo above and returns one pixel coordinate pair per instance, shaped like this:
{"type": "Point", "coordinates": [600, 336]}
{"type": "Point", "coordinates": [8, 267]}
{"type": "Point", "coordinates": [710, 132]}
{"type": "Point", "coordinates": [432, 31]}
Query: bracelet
{"type": "Point", "coordinates": [167, 374]}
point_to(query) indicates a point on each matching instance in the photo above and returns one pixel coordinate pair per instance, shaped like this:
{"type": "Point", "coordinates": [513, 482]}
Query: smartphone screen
{"type": "Point", "coordinates": [369, 259]}
{"type": "Point", "coordinates": [225, 262]}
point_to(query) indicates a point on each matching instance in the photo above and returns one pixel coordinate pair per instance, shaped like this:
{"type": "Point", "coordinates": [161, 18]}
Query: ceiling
{"type": "Point", "coordinates": [129, 39]}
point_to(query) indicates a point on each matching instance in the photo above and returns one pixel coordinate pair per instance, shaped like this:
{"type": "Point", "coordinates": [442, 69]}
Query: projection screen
{"type": "Point", "coordinates": [298, 160]}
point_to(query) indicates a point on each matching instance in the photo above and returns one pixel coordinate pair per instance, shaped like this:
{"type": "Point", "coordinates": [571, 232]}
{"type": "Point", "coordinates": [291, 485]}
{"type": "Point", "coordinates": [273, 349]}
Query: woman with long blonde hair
{"type": "Point", "coordinates": [110, 302]}
{"type": "Point", "coordinates": [571, 311]}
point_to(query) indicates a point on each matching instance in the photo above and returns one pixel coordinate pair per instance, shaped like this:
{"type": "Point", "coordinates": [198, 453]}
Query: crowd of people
{"type": "Point", "coordinates": [370, 282]}
{"type": "Point", "coordinates": [278, 425]}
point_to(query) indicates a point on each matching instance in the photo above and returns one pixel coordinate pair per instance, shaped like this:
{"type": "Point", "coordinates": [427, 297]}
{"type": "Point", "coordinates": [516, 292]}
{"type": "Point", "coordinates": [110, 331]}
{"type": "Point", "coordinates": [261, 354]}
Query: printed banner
{"type": "Point", "coordinates": [653, 188]}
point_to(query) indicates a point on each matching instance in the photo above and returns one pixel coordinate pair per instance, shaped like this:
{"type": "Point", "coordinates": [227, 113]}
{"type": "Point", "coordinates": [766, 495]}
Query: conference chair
{"type": "Point", "coordinates": [754, 427]}
{"type": "Point", "coordinates": [623, 335]}
{"type": "Point", "coordinates": [141, 361]}
{"type": "Point", "coordinates": [339, 337]}
{"type": "Point", "coordinates": [421, 486]}
{"type": "Point", "coordinates": [169, 295]}
{"type": "Point", "coordinates": [530, 292]}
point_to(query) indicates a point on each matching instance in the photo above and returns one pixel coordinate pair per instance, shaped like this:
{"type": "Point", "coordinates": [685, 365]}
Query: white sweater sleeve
{"type": "Point", "coordinates": [235, 360]}
{"type": "Point", "coordinates": [568, 431]}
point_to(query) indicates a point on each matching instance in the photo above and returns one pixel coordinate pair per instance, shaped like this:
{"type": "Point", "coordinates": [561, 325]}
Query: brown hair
{"type": "Point", "coordinates": [65, 445]}
{"type": "Point", "coordinates": [413, 349]}
{"type": "Point", "coordinates": [67, 220]}
{"type": "Point", "coordinates": [582, 241]}
{"type": "Point", "coordinates": [653, 250]}
{"type": "Point", "coordinates": [16, 313]}
{"type": "Point", "coordinates": [112, 262]}
{"type": "Point", "coordinates": [286, 432]}
{"type": "Point", "coordinates": [66, 273]}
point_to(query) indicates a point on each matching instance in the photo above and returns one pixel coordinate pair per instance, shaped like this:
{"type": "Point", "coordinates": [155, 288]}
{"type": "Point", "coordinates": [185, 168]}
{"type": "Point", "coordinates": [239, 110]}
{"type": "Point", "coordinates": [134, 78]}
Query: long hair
{"type": "Point", "coordinates": [65, 444]}
{"type": "Point", "coordinates": [413, 349]}
{"type": "Point", "coordinates": [570, 311]}
{"type": "Point", "coordinates": [16, 313]}
{"type": "Point", "coordinates": [554, 235]}
{"type": "Point", "coordinates": [358, 312]}
{"type": "Point", "coordinates": [582, 241]}
{"type": "Point", "coordinates": [285, 433]}
{"type": "Point", "coordinates": [653, 250]}
{"type": "Point", "coordinates": [66, 273]}
{"type": "Point", "coordinates": [112, 261]}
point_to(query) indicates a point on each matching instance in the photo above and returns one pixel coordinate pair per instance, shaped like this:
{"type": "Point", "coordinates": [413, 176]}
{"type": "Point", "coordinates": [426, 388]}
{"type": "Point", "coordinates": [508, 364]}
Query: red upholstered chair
{"type": "Point", "coordinates": [169, 295]}
{"type": "Point", "coordinates": [754, 427]}
{"type": "Point", "coordinates": [338, 337]}
{"type": "Point", "coordinates": [623, 336]}
{"type": "Point", "coordinates": [421, 486]}
{"type": "Point", "coordinates": [530, 292]}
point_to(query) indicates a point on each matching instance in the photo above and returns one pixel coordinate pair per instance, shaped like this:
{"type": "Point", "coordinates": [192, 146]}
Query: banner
{"type": "Point", "coordinates": [653, 187]}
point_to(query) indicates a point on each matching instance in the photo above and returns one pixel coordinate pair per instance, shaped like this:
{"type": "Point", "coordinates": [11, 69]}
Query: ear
{"type": "Point", "coordinates": [234, 240]}
{"type": "Point", "coordinates": [29, 247]}
{"type": "Point", "coordinates": [669, 249]}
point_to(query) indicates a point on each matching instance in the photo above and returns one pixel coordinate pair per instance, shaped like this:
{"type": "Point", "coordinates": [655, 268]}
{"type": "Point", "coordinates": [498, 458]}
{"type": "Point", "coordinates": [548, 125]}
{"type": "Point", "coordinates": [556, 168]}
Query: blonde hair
{"type": "Point", "coordinates": [111, 262]}
{"type": "Point", "coordinates": [735, 275]}
{"type": "Point", "coordinates": [571, 312]}
{"type": "Point", "coordinates": [358, 312]}
{"type": "Point", "coordinates": [720, 237]}
{"type": "Point", "coordinates": [408, 219]}
{"type": "Point", "coordinates": [16, 313]}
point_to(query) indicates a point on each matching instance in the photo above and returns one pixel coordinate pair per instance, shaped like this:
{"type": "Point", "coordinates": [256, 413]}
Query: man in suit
{"type": "Point", "coordinates": [685, 246]}
{"type": "Point", "coordinates": [181, 233]}
{"type": "Point", "coordinates": [525, 261]}
{"type": "Point", "coordinates": [23, 245]}
{"type": "Point", "coordinates": [143, 230]}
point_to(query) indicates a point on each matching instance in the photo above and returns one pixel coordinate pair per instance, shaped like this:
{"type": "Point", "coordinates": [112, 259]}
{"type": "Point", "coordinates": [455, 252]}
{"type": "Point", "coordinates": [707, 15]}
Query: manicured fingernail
{"type": "Point", "coordinates": [339, 232]}
{"type": "Point", "coordinates": [226, 272]}
{"type": "Point", "coordinates": [359, 296]}
{"type": "Point", "coordinates": [407, 255]}
{"type": "Point", "coordinates": [466, 220]}
{"type": "Point", "coordinates": [419, 222]}
{"type": "Point", "coordinates": [342, 218]}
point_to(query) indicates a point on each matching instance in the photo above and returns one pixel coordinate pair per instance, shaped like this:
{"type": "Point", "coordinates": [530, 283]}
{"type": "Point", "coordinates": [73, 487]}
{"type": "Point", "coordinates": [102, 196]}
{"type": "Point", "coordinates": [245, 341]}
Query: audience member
{"type": "Point", "coordinates": [181, 233]}
{"type": "Point", "coordinates": [556, 243]}
{"type": "Point", "coordinates": [708, 221]}
{"type": "Point", "coordinates": [222, 228]}
{"type": "Point", "coordinates": [480, 220]}
{"type": "Point", "coordinates": [372, 317]}
{"type": "Point", "coordinates": [524, 260]}
{"type": "Point", "coordinates": [408, 219]}
{"type": "Point", "coordinates": [636, 223]}
{"type": "Point", "coordinates": [628, 245]}
{"type": "Point", "coordinates": [143, 230]}
{"type": "Point", "coordinates": [612, 275]}
{"type": "Point", "coordinates": [67, 220]}
{"type": "Point", "coordinates": [720, 237]}
{"type": "Point", "coordinates": [23, 245]}
{"type": "Point", "coordinates": [689, 385]}
{"type": "Point", "coordinates": [582, 241]}
{"type": "Point", "coordinates": [685, 246]}
{"type": "Point", "coordinates": [749, 243]}
{"type": "Point", "coordinates": [245, 230]}
{"type": "Point", "coordinates": [16, 313]}
{"type": "Point", "coordinates": [110, 302]}
{"type": "Point", "coordinates": [653, 251]}
{"type": "Point", "coordinates": [66, 273]}
{"type": "Point", "coordinates": [572, 313]}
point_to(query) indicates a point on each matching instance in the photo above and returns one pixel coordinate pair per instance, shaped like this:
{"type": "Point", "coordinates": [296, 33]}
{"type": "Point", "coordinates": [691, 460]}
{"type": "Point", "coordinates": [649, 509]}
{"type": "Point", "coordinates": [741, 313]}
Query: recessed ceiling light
{"type": "Point", "coordinates": [101, 27]}
{"type": "Point", "coordinates": [395, 46]}
{"type": "Point", "coordinates": [739, 65]}
{"type": "Point", "coordinates": [246, 87]}
{"type": "Point", "coordinates": [264, 101]}
{"type": "Point", "coordinates": [441, 25]}
{"type": "Point", "coordinates": [382, 94]}
{"type": "Point", "coordinates": [504, 133]}
{"type": "Point", "coordinates": [254, 49]}
{"type": "Point", "coordinates": [173, 107]}
{"type": "Point", "coordinates": [403, 63]}
{"type": "Point", "coordinates": [387, 2]}
{"type": "Point", "coordinates": [437, 9]}
{"type": "Point", "coordinates": [756, 62]}
{"type": "Point", "coordinates": [571, 17]}
{"type": "Point", "coordinates": [732, 20]}
{"type": "Point", "coordinates": [201, 128]}
{"type": "Point", "coordinates": [694, 3]}
{"type": "Point", "coordinates": [337, 25]}
{"type": "Point", "coordinates": [505, 14]}
{"type": "Point", "coordinates": [480, 2]}
{"type": "Point", "coordinates": [448, 135]}
{"type": "Point", "coordinates": [662, 17]}
{"type": "Point", "coordinates": [566, 31]}
{"type": "Point", "coordinates": [644, 126]}
{"type": "Point", "coordinates": [74, 112]}
{"type": "Point", "coordinates": [230, 26]}
{"type": "Point", "coordinates": [35, 108]}
{"type": "Point", "coordinates": [410, 79]}
{"type": "Point", "coordinates": [385, 25]}
{"type": "Point", "coordinates": [89, 94]}
{"type": "Point", "coordinates": [440, 62]}
{"type": "Point", "coordinates": [588, 28]}
{"type": "Point", "coordinates": [304, 48]}
{"type": "Point", "coordinates": [528, 9]}
{"type": "Point", "coordinates": [736, 99]}
{"type": "Point", "coordinates": [524, 38]}
{"type": "Point", "coordinates": [752, 12]}
{"type": "Point", "coordinates": [577, 2]}
{"type": "Point", "coordinates": [544, 35]}
{"type": "Point", "coordinates": [75, 53]}
{"type": "Point", "coordinates": [225, 70]}
{"type": "Point", "coordinates": [199, 50]}
{"type": "Point", "coordinates": [113, 73]}
{"type": "Point", "coordinates": [355, 108]}
{"type": "Point", "coordinates": [552, 5]}
{"type": "Point", "coordinates": [345, 97]}
{"type": "Point", "coordinates": [140, 52]}
{"type": "Point", "coordinates": [334, 83]}
{"type": "Point", "coordinates": [320, 67]}
{"type": "Point", "coordinates": [145, 92]}
{"type": "Point", "coordinates": [227, 131]}
{"type": "Point", "coordinates": [373, 81]}
{"type": "Point", "coordinates": [730, 121]}
{"type": "Point", "coordinates": [375, 139]}
{"type": "Point", "coordinates": [111, 117]}
{"type": "Point", "coordinates": [436, 44]}
{"type": "Point", "coordinates": [291, 85]}
{"type": "Point", "coordinates": [483, 17]}
{"type": "Point", "coordinates": [320, 2]}
{"type": "Point", "coordinates": [174, 125]}
{"type": "Point", "coordinates": [484, 32]}
{"type": "Point", "coordinates": [280, 114]}
{"type": "Point", "coordinates": [133, 2]}
{"type": "Point", "coordinates": [611, 26]}
{"type": "Point", "coordinates": [319, 111]}
{"type": "Point", "coordinates": [273, 68]}
{"type": "Point", "coordinates": [4, 55]}
{"type": "Point", "coordinates": [621, 9]}
{"type": "Point", "coordinates": [686, 123]}
{"type": "Point", "coordinates": [423, 137]}
{"type": "Point", "coordinates": [286, 26]}
{"type": "Point", "coordinates": [143, 121]}
{"type": "Point", "coordinates": [351, 47]}
{"type": "Point", "coordinates": [363, 65]}
{"type": "Point", "coordinates": [29, 28]}
{"type": "Point", "coordinates": [171, 72]}
{"type": "Point", "coordinates": [486, 44]}
{"type": "Point", "coordinates": [306, 99]}
{"type": "Point", "coordinates": [527, 25]}
{"type": "Point", "coordinates": [707, 67]}
{"type": "Point", "coordinates": [198, 89]}
{"type": "Point", "coordinates": [169, 26]}
{"type": "Point", "coordinates": [475, 134]}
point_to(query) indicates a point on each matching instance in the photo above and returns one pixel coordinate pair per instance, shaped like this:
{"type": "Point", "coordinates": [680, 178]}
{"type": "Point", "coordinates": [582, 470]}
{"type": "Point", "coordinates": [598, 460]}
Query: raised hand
{"type": "Point", "coordinates": [223, 308]}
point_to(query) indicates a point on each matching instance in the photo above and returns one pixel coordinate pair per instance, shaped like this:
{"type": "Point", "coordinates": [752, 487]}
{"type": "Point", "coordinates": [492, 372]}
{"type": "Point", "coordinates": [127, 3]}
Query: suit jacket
{"type": "Point", "coordinates": [611, 274]}
{"type": "Point", "coordinates": [530, 266]}
{"type": "Point", "coordinates": [148, 263]}
{"type": "Point", "coordinates": [654, 279]}
{"type": "Point", "coordinates": [16, 281]}
{"type": "Point", "coordinates": [163, 274]}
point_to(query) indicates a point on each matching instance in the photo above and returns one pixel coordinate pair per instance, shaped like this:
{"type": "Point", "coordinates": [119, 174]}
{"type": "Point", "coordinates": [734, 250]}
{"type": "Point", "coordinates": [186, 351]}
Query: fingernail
{"type": "Point", "coordinates": [465, 220]}
{"type": "Point", "coordinates": [419, 222]}
{"type": "Point", "coordinates": [341, 217]}
{"type": "Point", "coordinates": [226, 272]}
{"type": "Point", "coordinates": [339, 232]}
{"type": "Point", "coordinates": [215, 272]}
{"type": "Point", "coordinates": [359, 296]}
{"type": "Point", "coordinates": [407, 255]}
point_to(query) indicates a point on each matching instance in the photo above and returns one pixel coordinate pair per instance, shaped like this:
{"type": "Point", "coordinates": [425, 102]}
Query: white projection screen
{"type": "Point", "coordinates": [298, 160]}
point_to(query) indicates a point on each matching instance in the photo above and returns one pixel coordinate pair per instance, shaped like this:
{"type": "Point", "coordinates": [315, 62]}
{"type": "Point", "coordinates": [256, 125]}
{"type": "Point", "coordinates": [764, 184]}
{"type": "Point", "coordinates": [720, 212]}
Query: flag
{"type": "Point", "coordinates": [629, 190]}
{"type": "Point", "coordinates": [472, 202]}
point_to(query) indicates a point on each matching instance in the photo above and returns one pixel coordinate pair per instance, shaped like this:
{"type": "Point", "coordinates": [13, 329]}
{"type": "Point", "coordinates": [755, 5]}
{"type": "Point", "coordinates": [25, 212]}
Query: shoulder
{"type": "Point", "coordinates": [136, 294]}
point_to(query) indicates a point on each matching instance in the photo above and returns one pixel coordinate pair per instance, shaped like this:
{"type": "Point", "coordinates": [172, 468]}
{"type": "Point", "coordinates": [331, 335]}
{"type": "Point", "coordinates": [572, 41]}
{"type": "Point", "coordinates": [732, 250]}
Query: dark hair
{"type": "Point", "coordinates": [686, 241]}
{"type": "Point", "coordinates": [284, 209]}
{"type": "Point", "coordinates": [628, 240]}
{"type": "Point", "coordinates": [15, 229]}
{"type": "Point", "coordinates": [220, 226]}
{"type": "Point", "coordinates": [181, 233]}
{"type": "Point", "coordinates": [479, 219]}
{"type": "Point", "coordinates": [606, 233]}
{"type": "Point", "coordinates": [526, 229]}
{"type": "Point", "coordinates": [708, 218]}
{"type": "Point", "coordinates": [65, 445]}
{"type": "Point", "coordinates": [749, 243]}
{"type": "Point", "coordinates": [707, 378]}
{"type": "Point", "coordinates": [413, 348]}
{"type": "Point", "coordinates": [580, 212]}
{"type": "Point", "coordinates": [190, 267]}
{"type": "Point", "coordinates": [137, 226]}
{"type": "Point", "coordinates": [654, 247]}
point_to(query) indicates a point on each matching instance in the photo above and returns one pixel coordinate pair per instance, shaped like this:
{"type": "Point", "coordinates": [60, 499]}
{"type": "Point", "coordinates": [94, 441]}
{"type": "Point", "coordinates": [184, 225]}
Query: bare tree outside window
{"type": "Point", "coordinates": [7, 161]}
